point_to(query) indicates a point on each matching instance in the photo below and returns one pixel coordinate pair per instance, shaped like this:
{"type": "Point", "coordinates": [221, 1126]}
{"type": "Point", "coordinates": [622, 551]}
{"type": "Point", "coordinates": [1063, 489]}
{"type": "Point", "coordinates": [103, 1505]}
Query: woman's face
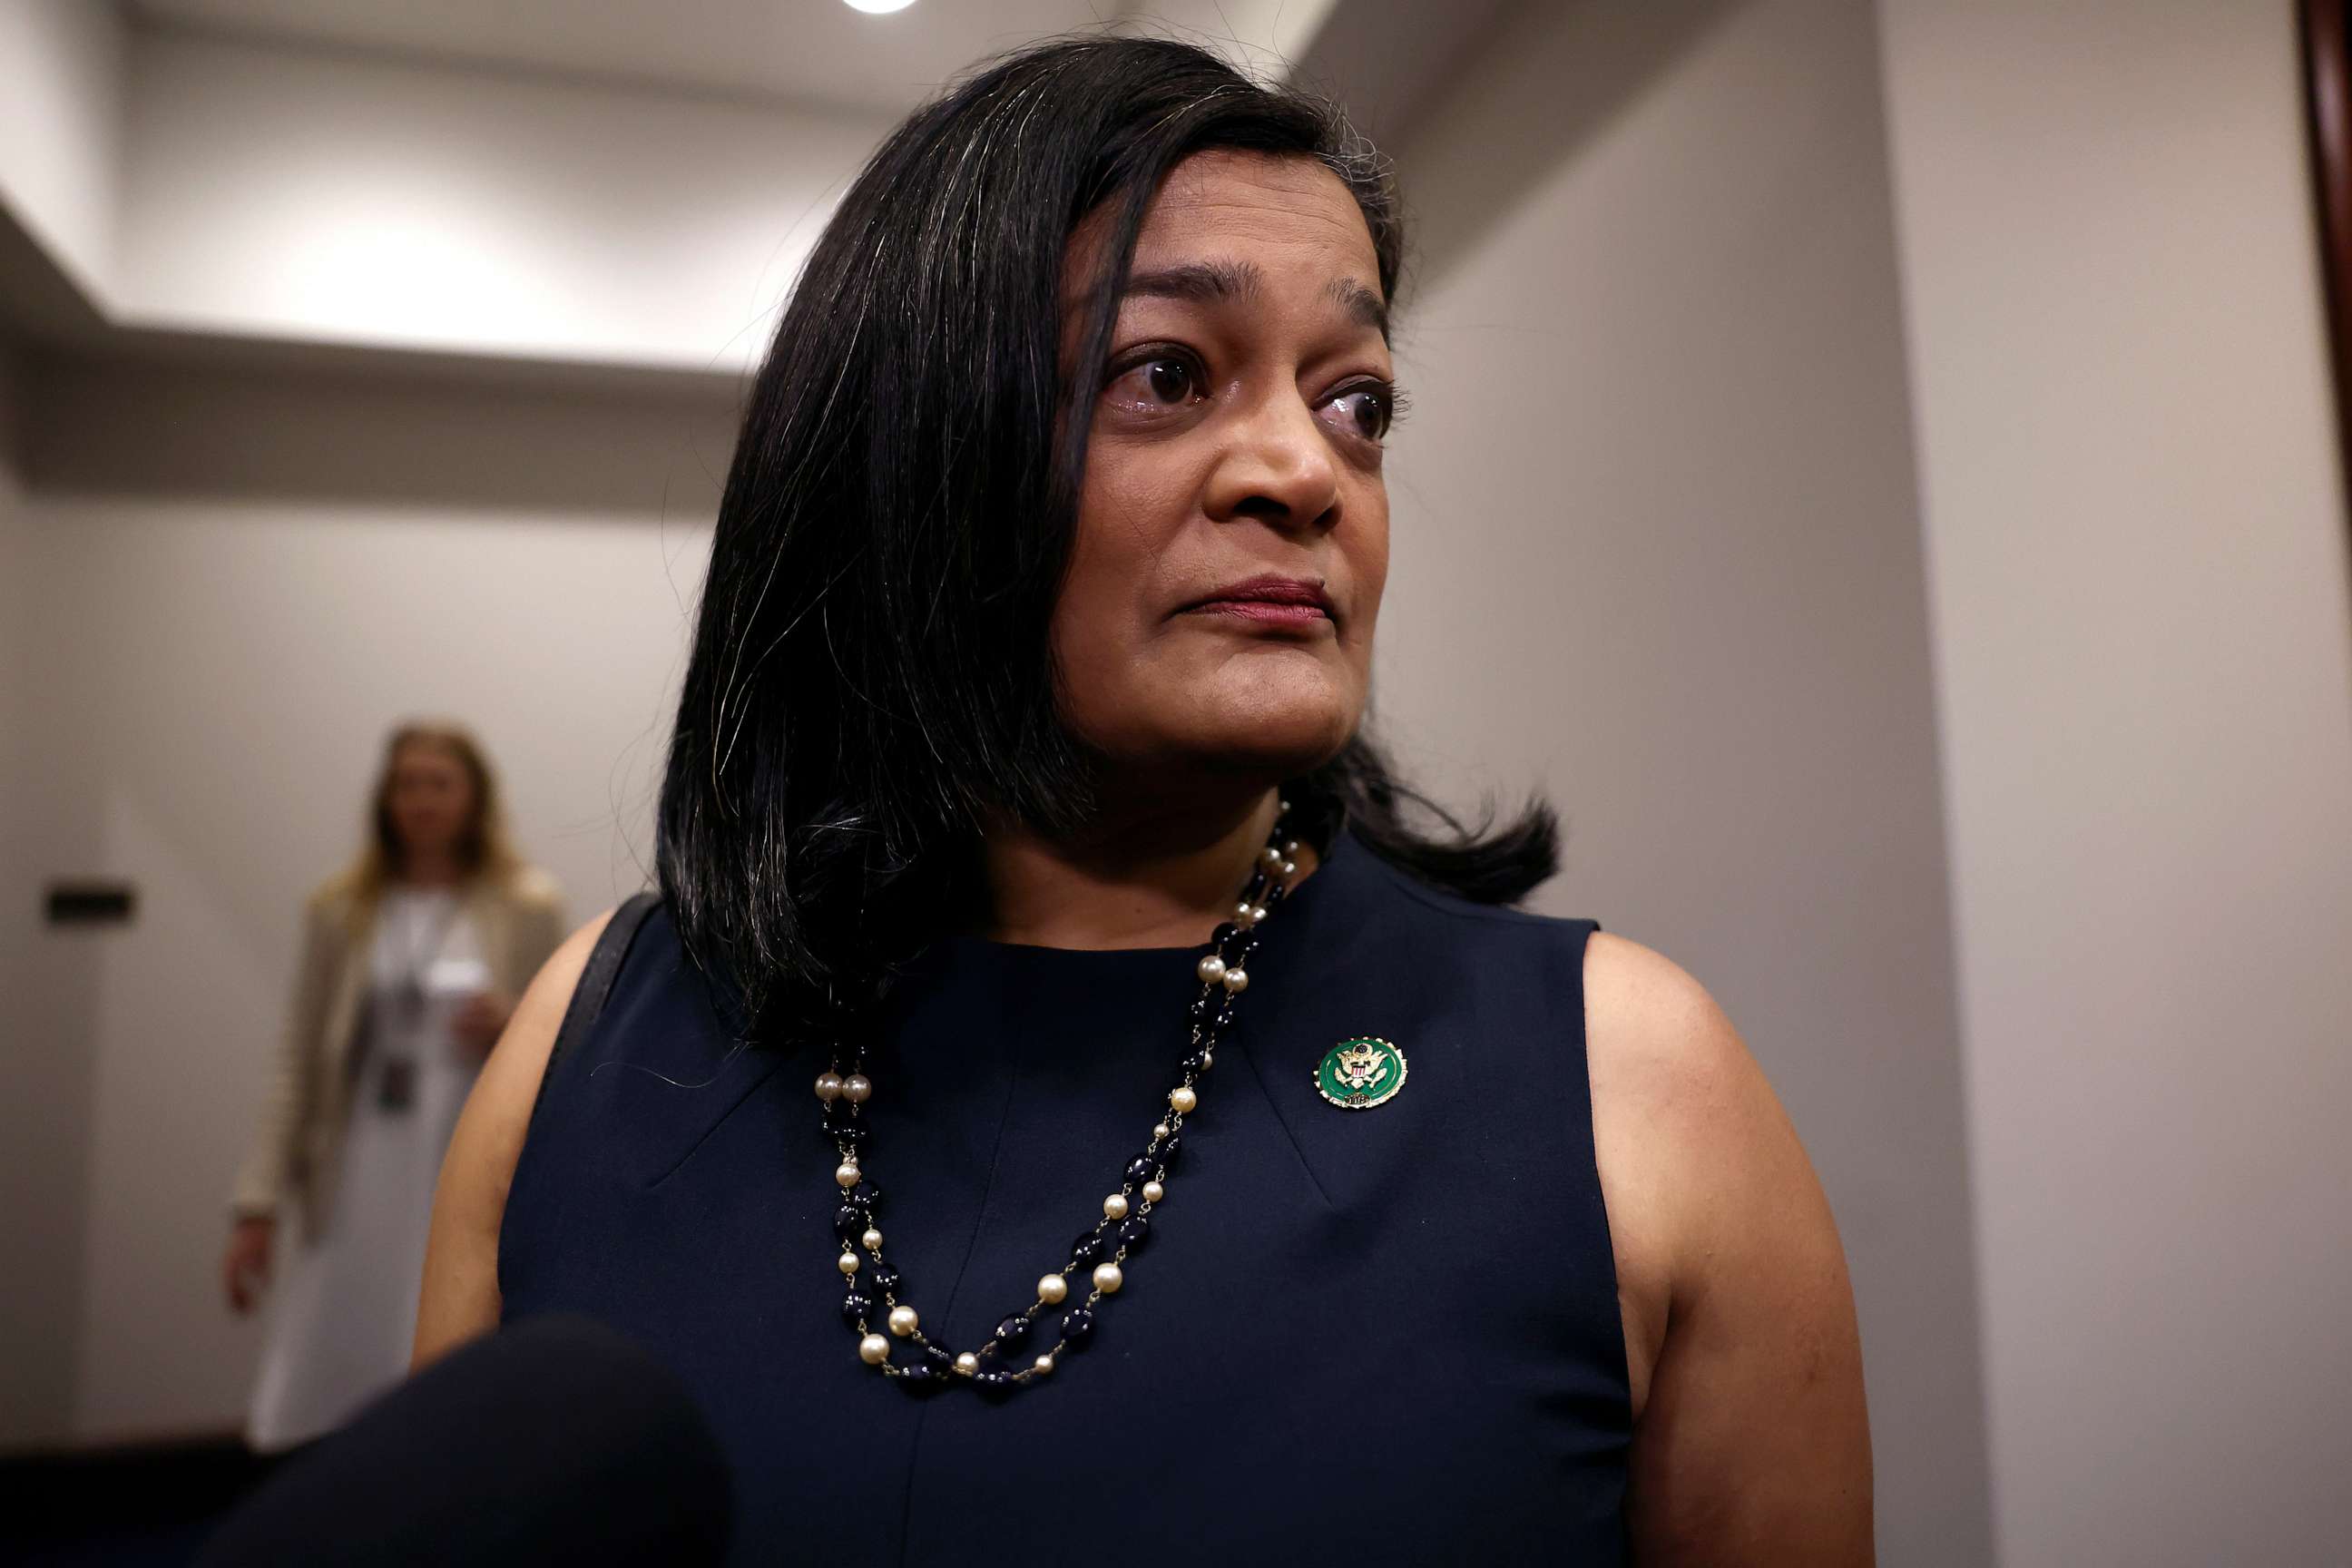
{"type": "Point", "coordinates": [432, 798]}
{"type": "Point", "coordinates": [1232, 530]}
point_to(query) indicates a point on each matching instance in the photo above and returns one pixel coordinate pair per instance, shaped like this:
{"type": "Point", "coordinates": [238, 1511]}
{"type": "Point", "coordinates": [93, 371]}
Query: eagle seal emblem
{"type": "Point", "coordinates": [1360, 1073]}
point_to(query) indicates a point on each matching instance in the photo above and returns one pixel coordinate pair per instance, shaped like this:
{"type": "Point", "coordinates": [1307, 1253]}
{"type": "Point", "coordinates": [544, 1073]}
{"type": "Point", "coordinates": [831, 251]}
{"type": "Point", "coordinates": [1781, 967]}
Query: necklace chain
{"type": "Point", "coordinates": [1099, 1257]}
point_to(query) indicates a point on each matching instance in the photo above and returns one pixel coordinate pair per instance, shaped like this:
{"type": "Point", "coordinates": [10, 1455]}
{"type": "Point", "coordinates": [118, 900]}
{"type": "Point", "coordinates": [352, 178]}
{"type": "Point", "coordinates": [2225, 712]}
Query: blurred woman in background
{"type": "Point", "coordinates": [412, 959]}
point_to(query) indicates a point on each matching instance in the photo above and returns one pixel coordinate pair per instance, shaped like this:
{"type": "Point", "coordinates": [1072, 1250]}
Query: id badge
{"type": "Point", "coordinates": [396, 1083]}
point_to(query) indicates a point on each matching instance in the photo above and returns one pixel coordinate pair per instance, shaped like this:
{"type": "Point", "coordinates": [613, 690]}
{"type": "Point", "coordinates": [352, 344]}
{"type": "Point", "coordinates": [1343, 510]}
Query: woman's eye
{"type": "Point", "coordinates": [1161, 383]}
{"type": "Point", "coordinates": [1170, 380]}
{"type": "Point", "coordinates": [1364, 412]}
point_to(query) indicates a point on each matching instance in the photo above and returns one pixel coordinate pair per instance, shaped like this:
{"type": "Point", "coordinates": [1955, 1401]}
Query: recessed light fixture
{"type": "Point", "coordinates": [877, 7]}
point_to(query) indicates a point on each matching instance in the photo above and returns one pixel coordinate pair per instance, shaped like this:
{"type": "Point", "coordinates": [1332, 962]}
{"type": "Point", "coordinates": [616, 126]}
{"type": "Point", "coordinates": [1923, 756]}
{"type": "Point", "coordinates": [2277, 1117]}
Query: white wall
{"type": "Point", "coordinates": [1656, 547]}
{"type": "Point", "coordinates": [290, 193]}
{"type": "Point", "coordinates": [45, 986]}
{"type": "Point", "coordinates": [241, 581]}
{"type": "Point", "coordinates": [60, 122]}
{"type": "Point", "coordinates": [2145, 647]}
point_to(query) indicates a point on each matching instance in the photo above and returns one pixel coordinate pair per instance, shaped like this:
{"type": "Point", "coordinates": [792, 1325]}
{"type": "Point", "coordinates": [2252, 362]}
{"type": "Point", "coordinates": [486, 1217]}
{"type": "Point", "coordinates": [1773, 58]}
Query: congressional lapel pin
{"type": "Point", "coordinates": [1361, 1073]}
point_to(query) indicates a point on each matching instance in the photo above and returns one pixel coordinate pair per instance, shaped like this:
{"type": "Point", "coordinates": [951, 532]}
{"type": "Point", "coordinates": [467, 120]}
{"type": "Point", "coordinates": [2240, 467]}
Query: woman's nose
{"type": "Point", "coordinates": [1278, 468]}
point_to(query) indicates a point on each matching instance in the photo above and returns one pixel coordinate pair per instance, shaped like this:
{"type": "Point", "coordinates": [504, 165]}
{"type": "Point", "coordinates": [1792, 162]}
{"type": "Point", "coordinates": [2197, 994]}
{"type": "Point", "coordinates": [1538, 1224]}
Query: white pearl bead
{"type": "Point", "coordinates": [1044, 1363]}
{"type": "Point", "coordinates": [1051, 1288]}
{"type": "Point", "coordinates": [1271, 857]}
{"type": "Point", "coordinates": [1211, 969]}
{"type": "Point", "coordinates": [1281, 808]}
{"type": "Point", "coordinates": [855, 1088]}
{"type": "Point", "coordinates": [874, 1349]}
{"type": "Point", "coordinates": [1153, 1192]}
{"type": "Point", "coordinates": [1257, 913]}
{"type": "Point", "coordinates": [849, 1263]}
{"type": "Point", "coordinates": [966, 1364]}
{"type": "Point", "coordinates": [1114, 1205]}
{"type": "Point", "coordinates": [1244, 915]}
{"type": "Point", "coordinates": [902, 1321]}
{"type": "Point", "coordinates": [846, 1174]}
{"type": "Point", "coordinates": [873, 1240]}
{"type": "Point", "coordinates": [1184, 1101]}
{"type": "Point", "coordinates": [1108, 1278]}
{"type": "Point", "coordinates": [1237, 980]}
{"type": "Point", "coordinates": [1290, 846]}
{"type": "Point", "coordinates": [1208, 1060]}
{"type": "Point", "coordinates": [828, 1086]}
{"type": "Point", "coordinates": [1290, 867]}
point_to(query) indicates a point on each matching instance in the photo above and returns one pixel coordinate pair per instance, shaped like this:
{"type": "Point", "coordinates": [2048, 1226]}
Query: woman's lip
{"type": "Point", "coordinates": [1265, 612]}
{"type": "Point", "coordinates": [1272, 599]}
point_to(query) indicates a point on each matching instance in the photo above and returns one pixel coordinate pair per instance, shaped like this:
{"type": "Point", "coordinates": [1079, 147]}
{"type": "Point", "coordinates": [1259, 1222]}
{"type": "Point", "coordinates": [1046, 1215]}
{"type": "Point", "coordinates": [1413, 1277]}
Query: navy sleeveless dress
{"type": "Point", "coordinates": [1374, 1336]}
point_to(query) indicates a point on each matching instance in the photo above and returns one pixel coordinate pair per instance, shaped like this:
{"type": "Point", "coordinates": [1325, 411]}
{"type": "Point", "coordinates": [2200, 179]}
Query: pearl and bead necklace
{"type": "Point", "coordinates": [1103, 1251]}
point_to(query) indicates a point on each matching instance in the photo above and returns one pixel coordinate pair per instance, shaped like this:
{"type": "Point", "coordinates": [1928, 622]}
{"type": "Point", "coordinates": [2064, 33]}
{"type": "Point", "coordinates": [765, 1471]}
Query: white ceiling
{"type": "Point", "coordinates": [810, 50]}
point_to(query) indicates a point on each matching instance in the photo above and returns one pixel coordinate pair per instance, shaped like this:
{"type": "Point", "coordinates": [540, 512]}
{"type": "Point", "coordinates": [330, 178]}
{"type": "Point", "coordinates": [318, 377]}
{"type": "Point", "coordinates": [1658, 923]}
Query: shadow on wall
{"type": "Point", "coordinates": [1601, 61]}
{"type": "Point", "coordinates": [294, 432]}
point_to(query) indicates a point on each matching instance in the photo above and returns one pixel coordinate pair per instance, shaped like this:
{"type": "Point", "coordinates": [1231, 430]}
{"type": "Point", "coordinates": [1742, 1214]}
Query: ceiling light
{"type": "Point", "coordinates": [877, 7]}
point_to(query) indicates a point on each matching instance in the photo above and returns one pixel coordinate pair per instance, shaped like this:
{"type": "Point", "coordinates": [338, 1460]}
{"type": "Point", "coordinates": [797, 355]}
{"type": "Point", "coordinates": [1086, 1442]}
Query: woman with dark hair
{"type": "Point", "coordinates": [412, 962]}
{"type": "Point", "coordinates": [1259, 1184]}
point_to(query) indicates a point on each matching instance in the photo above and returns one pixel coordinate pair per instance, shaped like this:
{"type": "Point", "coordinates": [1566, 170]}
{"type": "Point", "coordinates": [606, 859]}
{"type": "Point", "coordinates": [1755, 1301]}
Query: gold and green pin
{"type": "Point", "coordinates": [1360, 1073]}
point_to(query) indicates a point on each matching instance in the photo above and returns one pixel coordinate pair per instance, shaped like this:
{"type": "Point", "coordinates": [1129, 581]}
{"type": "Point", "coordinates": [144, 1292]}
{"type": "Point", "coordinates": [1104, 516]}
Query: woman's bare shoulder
{"type": "Point", "coordinates": [1654, 1035]}
{"type": "Point", "coordinates": [1661, 1059]}
{"type": "Point", "coordinates": [1675, 1090]}
{"type": "Point", "coordinates": [1740, 1327]}
{"type": "Point", "coordinates": [1682, 1117]}
{"type": "Point", "coordinates": [460, 1296]}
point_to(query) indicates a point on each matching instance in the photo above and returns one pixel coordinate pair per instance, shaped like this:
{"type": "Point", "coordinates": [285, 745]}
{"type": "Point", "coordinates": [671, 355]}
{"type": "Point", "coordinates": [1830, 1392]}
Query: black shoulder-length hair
{"type": "Point", "coordinates": [871, 676]}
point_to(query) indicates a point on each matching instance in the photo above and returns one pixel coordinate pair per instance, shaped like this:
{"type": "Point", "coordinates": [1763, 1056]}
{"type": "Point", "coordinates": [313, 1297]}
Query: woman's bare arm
{"type": "Point", "coordinates": [460, 1298]}
{"type": "Point", "coordinates": [1752, 1445]}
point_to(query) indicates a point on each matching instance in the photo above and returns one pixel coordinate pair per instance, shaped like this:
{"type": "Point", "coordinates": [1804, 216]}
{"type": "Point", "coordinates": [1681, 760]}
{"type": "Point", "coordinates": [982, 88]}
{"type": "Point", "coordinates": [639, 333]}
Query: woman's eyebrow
{"type": "Point", "coordinates": [1202, 282]}
{"type": "Point", "coordinates": [1220, 282]}
{"type": "Point", "coordinates": [1364, 306]}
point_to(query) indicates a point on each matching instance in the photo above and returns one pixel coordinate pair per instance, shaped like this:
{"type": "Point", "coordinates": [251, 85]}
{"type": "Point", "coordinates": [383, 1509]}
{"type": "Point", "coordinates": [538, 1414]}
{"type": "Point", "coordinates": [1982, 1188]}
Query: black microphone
{"type": "Point", "coordinates": [556, 1440]}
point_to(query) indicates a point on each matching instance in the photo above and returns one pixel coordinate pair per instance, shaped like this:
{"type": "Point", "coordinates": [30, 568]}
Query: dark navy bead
{"type": "Point", "coordinates": [994, 1382]}
{"type": "Point", "coordinates": [1077, 1328]}
{"type": "Point", "coordinates": [1224, 1018]}
{"type": "Point", "coordinates": [1195, 1064]}
{"type": "Point", "coordinates": [1140, 1170]}
{"type": "Point", "coordinates": [1088, 1249]}
{"type": "Point", "coordinates": [1012, 1333]}
{"type": "Point", "coordinates": [849, 1222]}
{"type": "Point", "coordinates": [942, 1362]}
{"type": "Point", "coordinates": [1134, 1233]}
{"type": "Point", "coordinates": [853, 1136]}
{"type": "Point", "coordinates": [868, 1197]}
{"type": "Point", "coordinates": [1199, 1012]}
{"type": "Point", "coordinates": [883, 1277]}
{"type": "Point", "coordinates": [855, 1309]}
{"type": "Point", "coordinates": [841, 1114]}
{"type": "Point", "coordinates": [920, 1377]}
{"type": "Point", "coordinates": [1168, 1147]}
{"type": "Point", "coordinates": [1224, 934]}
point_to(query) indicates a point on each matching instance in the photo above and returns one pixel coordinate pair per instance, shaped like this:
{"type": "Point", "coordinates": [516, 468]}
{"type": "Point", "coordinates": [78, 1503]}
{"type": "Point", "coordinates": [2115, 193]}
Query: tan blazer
{"type": "Point", "coordinates": [297, 1146]}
